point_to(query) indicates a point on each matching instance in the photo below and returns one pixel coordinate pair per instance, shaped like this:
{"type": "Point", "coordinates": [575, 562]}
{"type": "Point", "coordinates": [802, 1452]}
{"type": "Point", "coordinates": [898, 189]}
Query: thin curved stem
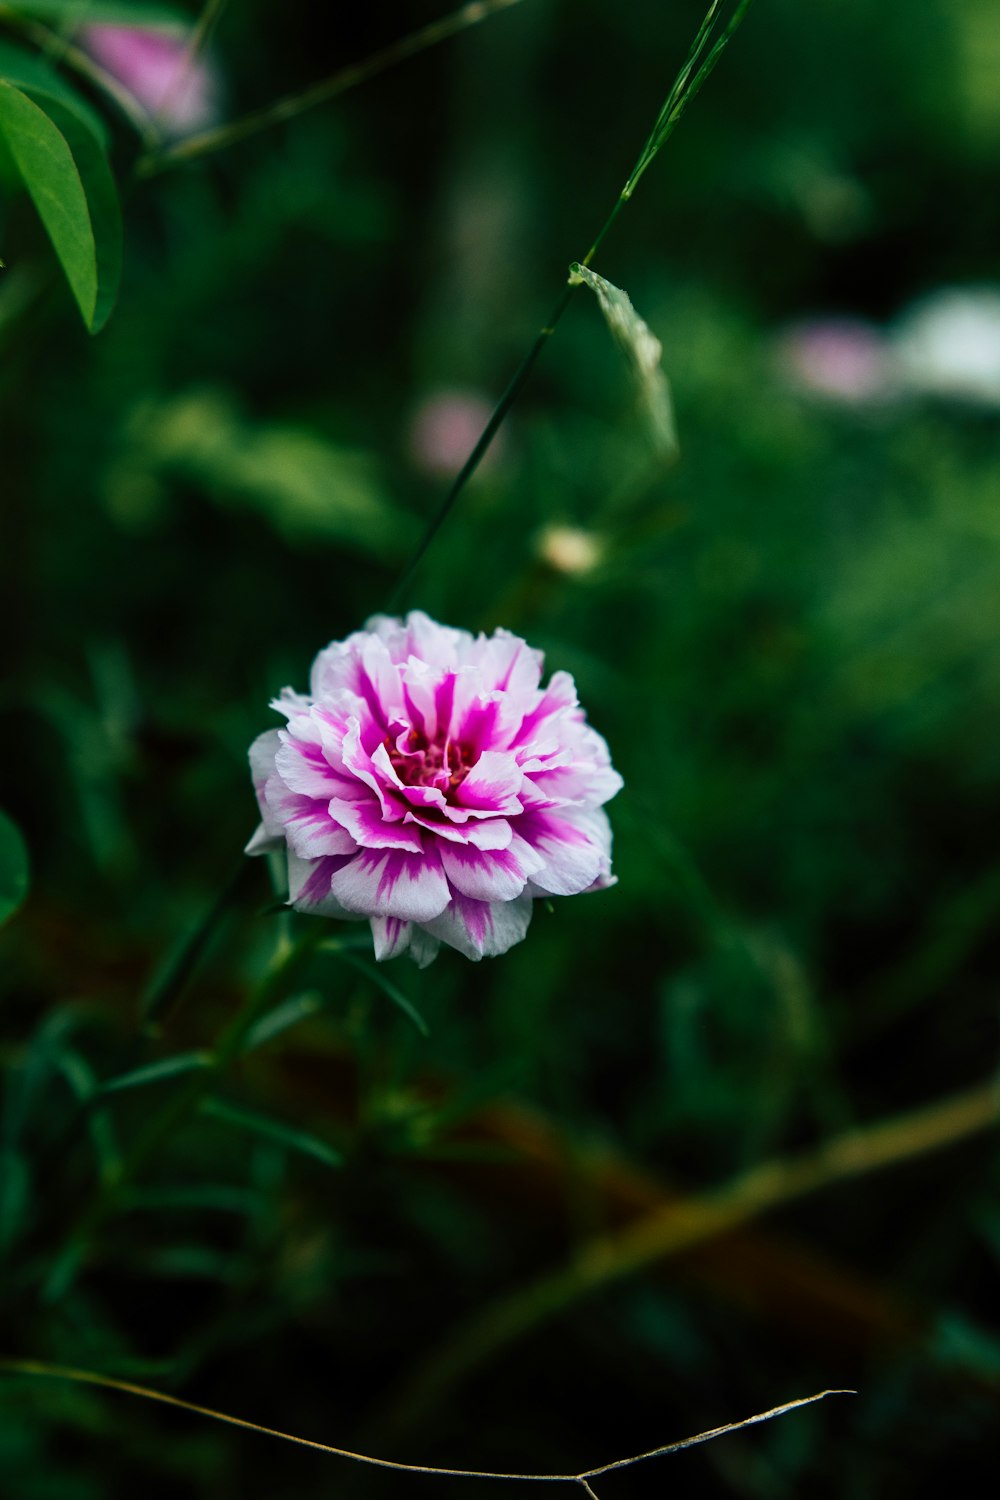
{"type": "Point", "coordinates": [697, 66]}
{"type": "Point", "coordinates": [108, 1382]}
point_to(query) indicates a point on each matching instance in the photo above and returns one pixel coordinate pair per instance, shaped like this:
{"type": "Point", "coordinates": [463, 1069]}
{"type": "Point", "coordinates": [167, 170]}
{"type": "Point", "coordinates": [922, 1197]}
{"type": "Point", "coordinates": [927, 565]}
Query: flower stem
{"type": "Point", "coordinates": [698, 64]}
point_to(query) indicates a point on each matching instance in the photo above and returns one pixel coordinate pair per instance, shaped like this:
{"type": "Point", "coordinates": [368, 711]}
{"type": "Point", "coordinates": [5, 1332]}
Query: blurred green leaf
{"type": "Point", "coordinates": [158, 1072]}
{"type": "Point", "coordinates": [14, 870]}
{"type": "Point", "coordinates": [643, 351]}
{"type": "Point", "coordinates": [65, 171]}
{"type": "Point", "coordinates": [80, 1077]}
{"type": "Point", "coordinates": [272, 1130]}
{"type": "Point", "coordinates": [306, 485]}
{"type": "Point", "coordinates": [284, 1016]}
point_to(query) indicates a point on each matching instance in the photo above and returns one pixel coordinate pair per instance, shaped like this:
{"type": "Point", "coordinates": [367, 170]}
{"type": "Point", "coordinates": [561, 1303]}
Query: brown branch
{"type": "Point", "coordinates": [108, 1382]}
{"type": "Point", "coordinates": [680, 1225]}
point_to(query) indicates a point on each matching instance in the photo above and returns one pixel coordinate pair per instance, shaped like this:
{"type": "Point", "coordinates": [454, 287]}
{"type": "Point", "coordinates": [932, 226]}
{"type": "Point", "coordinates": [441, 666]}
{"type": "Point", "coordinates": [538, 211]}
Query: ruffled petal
{"type": "Point", "coordinates": [392, 937]}
{"type": "Point", "coordinates": [480, 929]}
{"type": "Point", "coordinates": [392, 883]}
{"type": "Point", "coordinates": [490, 875]}
{"type": "Point", "coordinates": [367, 827]}
{"type": "Point", "coordinates": [574, 848]}
{"type": "Point", "coordinates": [309, 886]}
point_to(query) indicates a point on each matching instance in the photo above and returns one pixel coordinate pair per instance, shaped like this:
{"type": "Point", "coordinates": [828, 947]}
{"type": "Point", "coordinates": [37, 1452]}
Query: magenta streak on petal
{"type": "Point", "coordinates": [317, 886]}
{"type": "Point", "coordinates": [572, 858]}
{"type": "Point", "coordinates": [495, 875]}
{"type": "Point", "coordinates": [364, 822]}
{"type": "Point", "coordinates": [492, 785]}
{"type": "Point", "coordinates": [392, 883]}
{"type": "Point", "coordinates": [478, 729]}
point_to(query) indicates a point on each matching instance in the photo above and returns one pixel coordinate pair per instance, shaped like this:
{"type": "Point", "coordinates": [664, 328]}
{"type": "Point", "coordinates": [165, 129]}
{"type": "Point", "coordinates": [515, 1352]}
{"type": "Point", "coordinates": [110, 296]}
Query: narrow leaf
{"type": "Point", "coordinates": [289, 1013]}
{"type": "Point", "coordinates": [102, 198]}
{"type": "Point", "coordinates": [643, 351]}
{"type": "Point", "coordinates": [65, 171]}
{"type": "Point", "coordinates": [272, 1130]}
{"type": "Point", "coordinates": [158, 1072]}
{"type": "Point", "coordinates": [13, 868]}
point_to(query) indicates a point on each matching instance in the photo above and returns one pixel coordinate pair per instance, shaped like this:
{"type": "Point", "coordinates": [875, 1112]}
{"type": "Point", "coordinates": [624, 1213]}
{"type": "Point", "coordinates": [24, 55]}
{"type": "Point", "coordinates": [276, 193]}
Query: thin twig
{"type": "Point", "coordinates": [681, 1225]}
{"type": "Point", "coordinates": [223, 136]}
{"type": "Point", "coordinates": [108, 1382]}
{"type": "Point", "coordinates": [682, 91]}
{"type": "Point", "coordinates": [202, 29]}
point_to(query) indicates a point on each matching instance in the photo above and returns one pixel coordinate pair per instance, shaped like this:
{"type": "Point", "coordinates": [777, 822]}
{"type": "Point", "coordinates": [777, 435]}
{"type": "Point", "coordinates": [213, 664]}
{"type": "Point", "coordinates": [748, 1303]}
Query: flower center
{"type": "Point", "coordinates": [429, 762]}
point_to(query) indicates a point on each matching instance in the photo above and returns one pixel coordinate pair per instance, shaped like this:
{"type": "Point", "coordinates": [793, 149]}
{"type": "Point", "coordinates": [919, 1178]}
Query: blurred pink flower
{"type": "Point", "coordinates": [180, 93]}
{"type": "Point", "coordinates": [446, 427]}
{"type": "Point", "coordinates": [839, 358]}
{"type": "Point", "coordinates": [428, 783]}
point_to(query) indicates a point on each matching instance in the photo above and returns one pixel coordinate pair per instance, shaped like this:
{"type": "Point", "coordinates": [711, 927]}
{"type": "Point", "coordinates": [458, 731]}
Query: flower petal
{"type": "Point", "coordinates": [492, 785]}
{"type": "Point", "coordinates": [366, 825]}
{"type": "Point", "coordinates": [491, 876]}
{"type": "Point", "coordinates": [309, 885]}
{"type": "Point", "coordinates": [481, 929]}
{"type": "Point", "coordinates": [392, 937]}
{"type": "Point", "coordinates": [392, 883]}
{"type": "Point", "coordinates": [574, 846]}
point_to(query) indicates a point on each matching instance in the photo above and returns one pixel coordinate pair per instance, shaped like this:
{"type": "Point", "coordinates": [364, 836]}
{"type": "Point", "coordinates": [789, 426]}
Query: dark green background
{"type": "Point", "coordinates": [790, 644]}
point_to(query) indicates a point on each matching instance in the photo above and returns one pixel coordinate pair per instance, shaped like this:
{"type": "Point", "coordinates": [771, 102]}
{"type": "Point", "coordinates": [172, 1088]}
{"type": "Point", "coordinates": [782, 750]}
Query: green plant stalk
{"type": "Point", "coordinates": [178, 1108]}
{"type": "Point", "coordinates": [689, 80]}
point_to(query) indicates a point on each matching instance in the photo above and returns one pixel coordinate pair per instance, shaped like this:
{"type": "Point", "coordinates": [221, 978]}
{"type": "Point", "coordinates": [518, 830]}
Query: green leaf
{"type": "Point", "coordinates": [643, 351]}
{"type": "Point", "coordinates": [391, 991]}
{"type": "Point", "coordinates": [13, 868]}
{"type": "Point", "coordinates": [272, 1130]}
{"type": "Point", "coordinates": [170, 1067]}
{"type": "Point", "coordinates": [66, 173]}
{"type": "Point", "coordinates": [102, 199]}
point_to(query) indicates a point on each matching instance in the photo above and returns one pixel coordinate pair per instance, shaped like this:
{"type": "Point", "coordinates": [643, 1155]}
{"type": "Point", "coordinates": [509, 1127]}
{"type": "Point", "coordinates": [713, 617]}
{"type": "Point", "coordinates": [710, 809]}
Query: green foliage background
{"type": "Point", "coordinates": [790, 642]}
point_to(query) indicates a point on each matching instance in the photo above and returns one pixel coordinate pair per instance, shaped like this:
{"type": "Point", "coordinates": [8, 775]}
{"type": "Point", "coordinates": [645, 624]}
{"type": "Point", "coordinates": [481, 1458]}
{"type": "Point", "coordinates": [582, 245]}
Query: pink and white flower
{"type": "Point", "coordinates": [181, 92]}
{"type": "Point", "coordinates": [429, 783]}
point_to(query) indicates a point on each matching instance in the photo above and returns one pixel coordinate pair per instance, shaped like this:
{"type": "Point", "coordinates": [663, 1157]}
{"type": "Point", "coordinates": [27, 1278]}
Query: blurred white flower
{"type": "Point", "coordinates": [446, 427]}
{"type": "Point", "coordinates": [842, 359]}
{"type": "Point", "coordinates": [948, 344]}
{"type": "Point", "coordinates": [568, 549]}
{"type": "Point", "coordinates": [180, 92]}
